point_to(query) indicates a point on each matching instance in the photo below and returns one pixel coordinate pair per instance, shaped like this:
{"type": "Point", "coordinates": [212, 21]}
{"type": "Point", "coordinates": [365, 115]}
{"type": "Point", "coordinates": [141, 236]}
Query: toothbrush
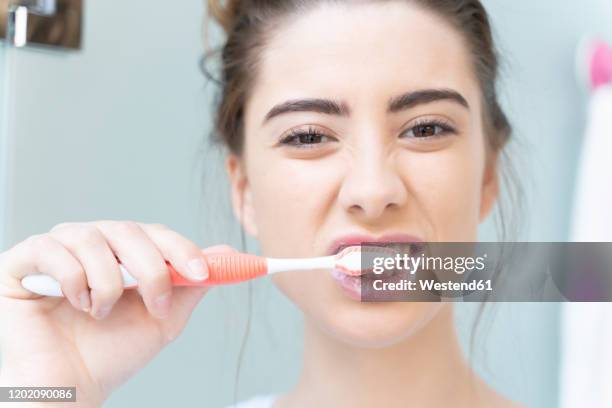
{"type": "Point", "coordinates": [224, 269]}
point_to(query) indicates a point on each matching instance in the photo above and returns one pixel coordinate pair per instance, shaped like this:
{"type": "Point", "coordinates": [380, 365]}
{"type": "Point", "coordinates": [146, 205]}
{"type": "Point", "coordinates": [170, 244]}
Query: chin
{"type": "Point", "coordinates": [376, 325]}
{"type": "Point", "coordinates": [360, 324]}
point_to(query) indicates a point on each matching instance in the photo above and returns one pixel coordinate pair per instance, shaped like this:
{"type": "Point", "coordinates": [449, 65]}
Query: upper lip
{"type": "Point", "coordinates": [357, 239]}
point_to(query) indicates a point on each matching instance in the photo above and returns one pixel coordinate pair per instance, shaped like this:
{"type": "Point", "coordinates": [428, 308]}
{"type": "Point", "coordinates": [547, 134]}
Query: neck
{"type": "Point", "coordinates": [425, 368]}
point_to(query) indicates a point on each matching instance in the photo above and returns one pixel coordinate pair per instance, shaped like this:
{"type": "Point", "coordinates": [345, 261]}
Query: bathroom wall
{"type": "Point", "coordinates": [116, 131]}
{"type": "Point", "coordinates": [3, 146]}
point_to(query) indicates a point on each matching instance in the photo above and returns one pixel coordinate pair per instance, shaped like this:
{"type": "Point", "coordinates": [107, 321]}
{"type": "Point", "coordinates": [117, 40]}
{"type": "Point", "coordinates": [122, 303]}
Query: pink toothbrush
{"type": "Point", "coordinates": [224, 269]}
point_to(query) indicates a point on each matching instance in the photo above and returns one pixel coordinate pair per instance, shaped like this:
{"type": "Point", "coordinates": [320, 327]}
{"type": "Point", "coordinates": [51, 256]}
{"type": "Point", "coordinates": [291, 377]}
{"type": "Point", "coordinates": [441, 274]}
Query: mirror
{"type": "Point", "coordinates": [55, 23]}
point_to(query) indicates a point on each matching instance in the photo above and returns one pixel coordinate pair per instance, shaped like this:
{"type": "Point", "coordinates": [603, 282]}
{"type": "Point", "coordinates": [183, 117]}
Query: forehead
{"type": "Point", "coordinates": [361, 51]}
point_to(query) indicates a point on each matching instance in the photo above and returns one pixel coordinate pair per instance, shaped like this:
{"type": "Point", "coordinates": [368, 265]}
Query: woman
{"type": "Point", "coordinates": [344, 121]}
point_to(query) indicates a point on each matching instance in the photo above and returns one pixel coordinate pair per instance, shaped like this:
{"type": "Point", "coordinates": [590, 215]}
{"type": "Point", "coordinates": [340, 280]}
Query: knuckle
{"type": "Point", "coordinates": [104, 225]}
{"type": "Point", "coordinates": [159, 227]}
{"type": "Point", "coordinates": [39, 242]}
{"type": "Point", "coordinates": [78, 235]}
{"type": "Point", "coordinates": [61, 226]}
{"type": "Point", "coordinates": [101, 223]}
{"type": "Point", "coordinates": [127, 227]}
{"type": "Point", "coordinates": [87, 235]}
{"type": "Point", "coordinates": [118, 226]}
{"type": "Point", "coordinates": [164, 233]}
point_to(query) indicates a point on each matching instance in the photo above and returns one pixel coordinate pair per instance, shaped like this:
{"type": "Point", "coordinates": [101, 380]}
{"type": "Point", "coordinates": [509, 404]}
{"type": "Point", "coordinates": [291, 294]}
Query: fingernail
{"type": "Point", "coordinates": [198, 269]}
{"type": "Point", "coordinates": [85, 301]}
{"type": "Point", "coordinates": [102, 312]}
{"type": "Point", "coordinates": [162, 305]}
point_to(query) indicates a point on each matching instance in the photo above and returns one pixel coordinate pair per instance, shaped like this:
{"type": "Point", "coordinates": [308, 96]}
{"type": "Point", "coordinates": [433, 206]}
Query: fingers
{"type": "Point", "coordinates": [84, 259]}
{"type": "Point", "coordinates": [90, 247]}
{"type": "Point", "coordinates": [43, 254]}
{"type": "Point", "coordinates": [185, 256]}
{"type": "Point", "coordinates": [142, 258]}
{"type": "Point", "coordinates": [185, 299]}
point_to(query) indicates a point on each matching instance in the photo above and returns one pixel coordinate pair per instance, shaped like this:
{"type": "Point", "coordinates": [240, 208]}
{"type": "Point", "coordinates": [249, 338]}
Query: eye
{"type": "Point", "coordinates": [305, 138]}
{"type": "Point", "coordinates": [428, 129]}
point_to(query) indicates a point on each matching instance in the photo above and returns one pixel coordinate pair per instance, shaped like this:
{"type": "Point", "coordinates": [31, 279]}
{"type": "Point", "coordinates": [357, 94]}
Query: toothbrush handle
{"type": "Point", "coordinates": [225, 269]}
{"type": "Point", "coordinates": [222, 268]}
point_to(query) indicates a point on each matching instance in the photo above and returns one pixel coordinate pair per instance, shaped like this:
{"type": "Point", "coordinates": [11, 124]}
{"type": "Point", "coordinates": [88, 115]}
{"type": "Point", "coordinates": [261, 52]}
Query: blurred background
{"type": "Point", "coordinates": [112, 121]}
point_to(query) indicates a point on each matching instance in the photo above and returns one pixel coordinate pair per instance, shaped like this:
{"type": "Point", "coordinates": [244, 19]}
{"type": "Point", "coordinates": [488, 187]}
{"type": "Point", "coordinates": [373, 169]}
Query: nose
{"type": "Point", "coordinates": [373, 184]}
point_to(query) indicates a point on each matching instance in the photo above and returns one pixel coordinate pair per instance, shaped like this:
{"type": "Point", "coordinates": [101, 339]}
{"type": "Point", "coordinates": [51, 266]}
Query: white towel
{"type": "Point", "coordinates": [586, 328]}
{"type": "Point", "coordinates": [592, 218]}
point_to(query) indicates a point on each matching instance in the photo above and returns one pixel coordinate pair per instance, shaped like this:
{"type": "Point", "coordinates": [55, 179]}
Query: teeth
{"type": "Point", "coordinates": [349, 257]}
{"type": "Point", "coordinates": [349, 261]}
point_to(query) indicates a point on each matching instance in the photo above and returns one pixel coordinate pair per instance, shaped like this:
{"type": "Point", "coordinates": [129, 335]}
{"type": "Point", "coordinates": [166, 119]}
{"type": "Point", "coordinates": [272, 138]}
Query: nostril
{"type": "Point", "coordinates": [356, 208]}
{"type": "Point", "coordinates": [392, 206]}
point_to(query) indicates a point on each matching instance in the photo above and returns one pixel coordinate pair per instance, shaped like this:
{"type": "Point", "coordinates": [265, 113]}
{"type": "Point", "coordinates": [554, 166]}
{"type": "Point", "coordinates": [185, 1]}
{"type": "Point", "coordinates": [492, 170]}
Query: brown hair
{"type": "Point", "coordinates": [247, 24]}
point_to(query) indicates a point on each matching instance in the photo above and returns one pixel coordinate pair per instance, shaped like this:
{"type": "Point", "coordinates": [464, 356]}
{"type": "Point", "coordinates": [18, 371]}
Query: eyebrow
{"type": "Point", "coordinates": [411, 99]}
{"type": "Point", "coordinates": [402, 102]}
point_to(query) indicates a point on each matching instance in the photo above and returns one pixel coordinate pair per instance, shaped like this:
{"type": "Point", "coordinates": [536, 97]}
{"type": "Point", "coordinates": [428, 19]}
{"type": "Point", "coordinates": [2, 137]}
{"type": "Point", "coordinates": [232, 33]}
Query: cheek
{"type": "Point", "coordinates": [446, 185]}
{"type": "Point", "coordinates": [290, 200]}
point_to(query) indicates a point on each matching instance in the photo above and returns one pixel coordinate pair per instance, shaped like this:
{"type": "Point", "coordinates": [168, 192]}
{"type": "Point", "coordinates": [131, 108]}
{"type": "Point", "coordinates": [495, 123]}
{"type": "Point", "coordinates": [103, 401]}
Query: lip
{"type": "Point", "coordinates": [354, 286]}
{"type": "Point", "coordinates": [357, 239]}
{"type": "Point", "coordinates": [351, 285]}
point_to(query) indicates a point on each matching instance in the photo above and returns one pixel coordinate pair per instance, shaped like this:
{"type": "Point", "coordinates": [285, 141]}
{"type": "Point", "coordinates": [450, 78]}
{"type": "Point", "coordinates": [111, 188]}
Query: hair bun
{"type": "Point", "coordinates": [225, 12]}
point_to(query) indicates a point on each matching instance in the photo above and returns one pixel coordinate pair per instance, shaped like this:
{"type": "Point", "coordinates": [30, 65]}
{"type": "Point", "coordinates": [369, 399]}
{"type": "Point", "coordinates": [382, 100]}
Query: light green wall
{"type": "Point", "coordinates": [4, 77]}
{"type": "Point", "coordinates": [114, 131]}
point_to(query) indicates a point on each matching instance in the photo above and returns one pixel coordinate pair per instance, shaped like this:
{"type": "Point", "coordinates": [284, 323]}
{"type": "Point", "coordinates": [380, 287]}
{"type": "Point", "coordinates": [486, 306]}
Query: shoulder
{"type": "Point", "coordinates": [258, 401]}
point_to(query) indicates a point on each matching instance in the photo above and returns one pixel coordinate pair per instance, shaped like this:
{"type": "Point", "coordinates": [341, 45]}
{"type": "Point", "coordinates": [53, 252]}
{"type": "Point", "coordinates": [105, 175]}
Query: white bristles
{"type": "Point", "coordinates": [357, 260]}
{"type": "Point", "coordinates": [350, 261]}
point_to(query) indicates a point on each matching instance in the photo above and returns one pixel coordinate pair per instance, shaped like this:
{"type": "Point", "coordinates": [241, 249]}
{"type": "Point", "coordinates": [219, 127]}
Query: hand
{"type": "Point", "coordinates": [99, 334]}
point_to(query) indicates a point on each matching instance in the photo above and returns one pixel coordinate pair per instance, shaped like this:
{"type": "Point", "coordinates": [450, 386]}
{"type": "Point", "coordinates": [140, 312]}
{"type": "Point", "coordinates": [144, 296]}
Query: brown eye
{"type": "Point", "coordinates": [425, 131]}
{"type": "Point", "coordinates": [308, 138]}
{"type": "Point", "coordinates": [301, 139]}
{"type": "Point", "coordinates": [428, 130]}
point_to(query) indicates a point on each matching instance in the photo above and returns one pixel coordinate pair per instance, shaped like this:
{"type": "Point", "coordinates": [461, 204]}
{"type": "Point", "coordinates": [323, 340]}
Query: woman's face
{"type": "Point", "coordinates": [397, 147]}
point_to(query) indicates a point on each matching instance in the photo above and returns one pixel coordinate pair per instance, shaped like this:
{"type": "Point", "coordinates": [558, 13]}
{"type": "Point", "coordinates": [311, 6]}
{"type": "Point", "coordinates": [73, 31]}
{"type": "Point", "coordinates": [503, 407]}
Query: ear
{"type": "Point", "coordinates": [242, 203]}
{"type": "Point", "coordinates": [490, 187]}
